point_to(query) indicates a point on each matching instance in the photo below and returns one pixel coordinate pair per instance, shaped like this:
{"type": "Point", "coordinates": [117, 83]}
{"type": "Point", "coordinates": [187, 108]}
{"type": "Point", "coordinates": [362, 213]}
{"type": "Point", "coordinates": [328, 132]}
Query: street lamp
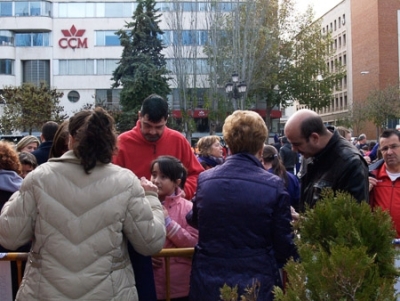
{"type": "Point", "coordinates": [235, 89]}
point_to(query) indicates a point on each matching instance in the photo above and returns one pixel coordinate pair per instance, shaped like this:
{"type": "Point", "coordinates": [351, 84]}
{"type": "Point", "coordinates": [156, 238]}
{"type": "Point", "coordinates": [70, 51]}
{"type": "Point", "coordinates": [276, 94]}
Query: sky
{"type": "Point", "coordinates": [320, 6]}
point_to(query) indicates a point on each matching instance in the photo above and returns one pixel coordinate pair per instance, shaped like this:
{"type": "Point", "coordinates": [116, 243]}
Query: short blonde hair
{"type": "Point", "coordinates": [245, 132]}
{"type": "Point", "coordinates": [26, 141]}
{"type": "Point", "coordinates": [204, 144]}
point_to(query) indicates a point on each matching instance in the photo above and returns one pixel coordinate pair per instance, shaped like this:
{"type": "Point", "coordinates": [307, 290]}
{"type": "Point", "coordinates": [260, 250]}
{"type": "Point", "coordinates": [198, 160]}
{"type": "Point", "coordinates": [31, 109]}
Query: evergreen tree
{"type": "Point", "coordinates": [142, 68]}
{"type": "Point", "coordinates": [346, 253]}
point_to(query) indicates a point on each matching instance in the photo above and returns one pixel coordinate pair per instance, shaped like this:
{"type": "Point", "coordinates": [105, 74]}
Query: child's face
{"type": "Point", "coordinates": [26, 168]}
{"type": "Point", "coordinates": [165, 185]}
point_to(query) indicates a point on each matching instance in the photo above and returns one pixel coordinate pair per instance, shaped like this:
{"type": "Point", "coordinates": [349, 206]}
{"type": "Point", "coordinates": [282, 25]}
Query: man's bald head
{"type": "Point", "coordinates": [307, 133]}
{"type": "Point", "coordinates": [306, 122]}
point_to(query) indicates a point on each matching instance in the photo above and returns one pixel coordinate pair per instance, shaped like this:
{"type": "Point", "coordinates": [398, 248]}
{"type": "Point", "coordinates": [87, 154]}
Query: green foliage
{"type": "Point", "coordinates": [28, 107]}
{"type": "Point", "coordinates": [124, 121]}
{"type": "Point", "coordinates": [231, 293]}
{"type": "Point", "coordinates": [346, 253]}
{"type": "Point", "coordinates": [306, 75]}
{"type": "Point", "coordinates": [383, 104]}
{"type": "Point", "coordinates": [141, 70]}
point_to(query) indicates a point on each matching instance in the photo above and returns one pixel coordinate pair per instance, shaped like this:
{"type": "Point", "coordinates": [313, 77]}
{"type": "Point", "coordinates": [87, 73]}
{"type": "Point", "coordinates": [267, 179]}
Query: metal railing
{"type": "Point", "coordinates": [166, 253]}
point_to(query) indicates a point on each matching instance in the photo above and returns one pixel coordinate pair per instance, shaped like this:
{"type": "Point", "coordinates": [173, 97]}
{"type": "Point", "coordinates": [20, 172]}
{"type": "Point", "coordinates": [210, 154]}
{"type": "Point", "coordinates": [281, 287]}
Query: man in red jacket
{"type": "Point", "coordinates": [137, 148]}
{"type": "Point", "coordinates": [384, 180]}
{"type": "Point", "coordinates": [151, 138]}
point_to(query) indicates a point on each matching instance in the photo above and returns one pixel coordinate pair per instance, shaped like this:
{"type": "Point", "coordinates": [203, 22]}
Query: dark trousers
{"type": "Point", "coordinates": [143, 269]}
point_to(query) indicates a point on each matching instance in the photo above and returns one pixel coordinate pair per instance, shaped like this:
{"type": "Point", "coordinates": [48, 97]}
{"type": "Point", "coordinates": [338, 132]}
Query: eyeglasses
{"type": "Point", "coordinates": [386, 148]}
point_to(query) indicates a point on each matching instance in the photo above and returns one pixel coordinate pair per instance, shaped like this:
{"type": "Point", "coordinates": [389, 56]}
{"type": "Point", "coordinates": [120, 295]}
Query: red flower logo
{"type": "Point", "coordinates": [73, 32]}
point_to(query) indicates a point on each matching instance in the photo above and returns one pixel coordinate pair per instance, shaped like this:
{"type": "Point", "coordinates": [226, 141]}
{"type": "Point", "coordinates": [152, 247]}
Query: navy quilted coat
{"type": "Point", "coordinates": [243, 216]}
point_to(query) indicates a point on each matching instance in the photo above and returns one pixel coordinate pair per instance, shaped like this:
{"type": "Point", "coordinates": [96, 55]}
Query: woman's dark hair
{"type": "Point", "coordinates": [95, 137]}
{"type": "Point", "coordinates": [60, 141]}
{"type": "Point", "coordinates": [172, 168]}
{"type": "Point", "coordinates": [270, 155]}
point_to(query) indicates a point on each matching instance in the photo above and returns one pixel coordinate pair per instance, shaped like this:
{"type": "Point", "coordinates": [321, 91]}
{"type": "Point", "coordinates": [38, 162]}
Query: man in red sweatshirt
{"type": "Point", "coordinates": [137, 148]}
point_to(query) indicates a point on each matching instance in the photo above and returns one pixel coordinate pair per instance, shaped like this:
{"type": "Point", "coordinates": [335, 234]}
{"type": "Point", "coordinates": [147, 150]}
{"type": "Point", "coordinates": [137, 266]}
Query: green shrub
{"type": "Point", "coordinates": [346, 253]}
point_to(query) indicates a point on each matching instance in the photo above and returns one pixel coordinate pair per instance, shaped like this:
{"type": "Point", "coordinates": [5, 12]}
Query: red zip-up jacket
{"type": "Point", "coordinates": [136, 154]}
{"type": "Point", "coordinates": [386, 193]}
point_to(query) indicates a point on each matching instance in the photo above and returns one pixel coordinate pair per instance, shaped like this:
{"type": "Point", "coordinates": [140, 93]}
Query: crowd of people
{"type": "Point", "coordinates": [92, 207]}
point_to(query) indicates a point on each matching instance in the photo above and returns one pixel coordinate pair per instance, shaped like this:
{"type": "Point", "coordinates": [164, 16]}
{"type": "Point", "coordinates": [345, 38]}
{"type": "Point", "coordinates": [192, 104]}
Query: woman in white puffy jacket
{"type": "Point", "coordinates": [79, 210]}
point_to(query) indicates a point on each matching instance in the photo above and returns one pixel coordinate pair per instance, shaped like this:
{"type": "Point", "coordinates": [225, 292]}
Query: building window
{"type": "Point", "coordinates": [87, 67]}
{"type": "Point", "coordinates": [106, 66]}
{"type": "Point", "coordinates": [99, 10]}
{"type": "Point", "coordinates": [76, 67]}
{"type": "Point", "coordinates": [189, 66]}
{"type": "Point", "coordinates": [6, 38]}
{"type": "Point", "coordinates": [5, 9]}
{"type": "Point", "coordinates": [36, 72]}
{"type": "Point", "coordinates": [344, 39]}
{"type": "Point", "coordinates": [73, 96]}
{"type": "Point", "coordinates": [107, 38]}
{"type": "Point", "coordinates": [30, 8]}
{"type": "Point", "coordinates": [7, 67]}
{"type": "Point", "coordinates": [32, 39]}
{"type": "Point", "coordinates": [190, 37]}
{"type": "Point", "coordinates": [108, 98]}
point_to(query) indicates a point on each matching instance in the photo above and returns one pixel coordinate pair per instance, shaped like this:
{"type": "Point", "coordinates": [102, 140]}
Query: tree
{"type": "Point", "coordinates": [383, 104]}
{"type": "Point", "coordinates": [282, 56]}
{"type": "Point", "coordinates": [28, 107]}
{"type": "Point", "coordinates": [142, 68]}
{"type": "Point", "coordinates": [346, 253]}
{"type": "Point", "coordinates": [355, 118]}
{"type": "Point", "coordinates": [307, 76]}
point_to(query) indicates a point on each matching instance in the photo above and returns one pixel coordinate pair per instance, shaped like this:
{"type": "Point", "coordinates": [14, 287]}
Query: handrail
{"type": "Point", "coordinates": [166, 253]}
{"type": "Point", "coordinates": [18, 258]}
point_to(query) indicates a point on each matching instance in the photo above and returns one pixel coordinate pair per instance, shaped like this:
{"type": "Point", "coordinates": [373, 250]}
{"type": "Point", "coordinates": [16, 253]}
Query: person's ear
{"type": "Point", "coordinates": [42, 138]}
{"type": "Point", "coordinates": [260, 153]}
{"type": "Point", "coordinates": [178, 182]}
{"type": "Point", "coordinates": [139, 114]}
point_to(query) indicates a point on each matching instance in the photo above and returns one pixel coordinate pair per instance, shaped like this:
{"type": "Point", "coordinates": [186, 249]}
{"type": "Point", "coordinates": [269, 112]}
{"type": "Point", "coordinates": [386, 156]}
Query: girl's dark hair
{"type": "Point", "coordinates": [172, 168]}
{"type": "Point", "coordinates": [95, 137]}
{"type": "Point", "coordinates": [270, 155]}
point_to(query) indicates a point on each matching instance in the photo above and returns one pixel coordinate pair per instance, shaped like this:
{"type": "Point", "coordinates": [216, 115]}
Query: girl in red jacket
{"type": "Point", "coordinates": [169, 175]}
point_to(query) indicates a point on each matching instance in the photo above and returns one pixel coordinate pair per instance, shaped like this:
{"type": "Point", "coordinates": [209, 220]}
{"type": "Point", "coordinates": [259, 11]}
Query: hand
{"type": "Point", "coordinates": [372, 182]}
{"type": "Point", "coordinates": [166, 214]}
{"type": "Point", "coordinates": [157, 262]}
{"type": "Point", "coordinates": [148, 185]}
{"type": "Point", "coordinates": [368, 159]}
{"type": "Point", "coordinates": [295, 215]}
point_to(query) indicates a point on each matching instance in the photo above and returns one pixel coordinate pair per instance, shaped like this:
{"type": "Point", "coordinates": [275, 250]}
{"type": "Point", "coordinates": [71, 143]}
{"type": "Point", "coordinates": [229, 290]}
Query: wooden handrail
{"type": "Point", "coordinates": [166, 253]}
{"type": "Point", "coordinates": [18, 258]}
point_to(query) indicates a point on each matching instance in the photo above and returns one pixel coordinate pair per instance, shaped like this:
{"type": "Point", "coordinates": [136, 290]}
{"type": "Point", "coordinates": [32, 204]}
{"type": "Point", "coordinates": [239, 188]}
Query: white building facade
{"type": "Point", "coordinates": [73, 47]}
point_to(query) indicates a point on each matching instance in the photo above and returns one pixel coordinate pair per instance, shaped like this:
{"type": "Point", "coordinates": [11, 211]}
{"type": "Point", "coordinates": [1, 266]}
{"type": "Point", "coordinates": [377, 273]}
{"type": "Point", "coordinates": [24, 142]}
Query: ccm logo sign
{"type": "Point", "coordinates": [72, 38]}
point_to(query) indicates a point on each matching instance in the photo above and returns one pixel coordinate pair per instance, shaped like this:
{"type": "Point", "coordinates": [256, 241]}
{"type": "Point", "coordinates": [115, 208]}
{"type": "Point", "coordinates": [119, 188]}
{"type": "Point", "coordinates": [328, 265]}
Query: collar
{"type": "Point", "coordinates": [328, 147]}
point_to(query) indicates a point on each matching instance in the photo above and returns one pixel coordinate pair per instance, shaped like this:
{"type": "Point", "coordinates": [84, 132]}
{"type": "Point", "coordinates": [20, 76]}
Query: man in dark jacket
{"type": "Point", "coordinates": [288, 156]}
{"type": "Point", "coordinates": [329, 160]}
{"type": "Point", "coordinates": [49, 129]}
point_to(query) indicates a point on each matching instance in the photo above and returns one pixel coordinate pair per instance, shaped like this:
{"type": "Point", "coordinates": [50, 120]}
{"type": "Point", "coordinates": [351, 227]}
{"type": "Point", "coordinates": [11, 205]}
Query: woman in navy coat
{"type": "Point", "coordinates": [243, 216]}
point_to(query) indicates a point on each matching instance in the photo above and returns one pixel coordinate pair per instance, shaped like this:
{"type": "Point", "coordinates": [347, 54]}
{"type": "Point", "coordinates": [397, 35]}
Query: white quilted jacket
{"type": "Point", "coordinates": [78, 225]}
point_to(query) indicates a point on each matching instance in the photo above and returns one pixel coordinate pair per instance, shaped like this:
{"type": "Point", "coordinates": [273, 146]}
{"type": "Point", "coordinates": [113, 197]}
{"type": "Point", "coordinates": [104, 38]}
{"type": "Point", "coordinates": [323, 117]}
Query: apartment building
{"type": "Point", "coordinates": [366, 42]}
